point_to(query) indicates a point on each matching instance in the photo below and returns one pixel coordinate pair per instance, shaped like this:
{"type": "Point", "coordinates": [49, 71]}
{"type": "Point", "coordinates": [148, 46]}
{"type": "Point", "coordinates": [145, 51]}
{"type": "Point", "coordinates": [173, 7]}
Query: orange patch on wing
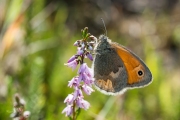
{"type": "Point", "coordinates": [131, 63]}
{"type": "Point", "coordinates": [105, 85]}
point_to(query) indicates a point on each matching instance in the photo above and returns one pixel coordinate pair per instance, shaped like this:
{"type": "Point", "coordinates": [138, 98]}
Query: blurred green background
{"type": "Point", "coordinates": [36, 39]}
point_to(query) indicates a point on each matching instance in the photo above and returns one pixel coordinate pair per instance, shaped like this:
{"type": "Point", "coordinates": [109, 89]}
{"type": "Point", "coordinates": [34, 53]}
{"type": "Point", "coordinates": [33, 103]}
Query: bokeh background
{"type": "Point", "coordinates": [36, 39]}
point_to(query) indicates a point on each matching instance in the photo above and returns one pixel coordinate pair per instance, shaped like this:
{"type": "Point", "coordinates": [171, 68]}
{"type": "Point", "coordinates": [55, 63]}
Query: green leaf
{"type": "Point", "coordinates": [87, 36]}
{"type": "Point", "coordinates": [78, 111]}
{"type": "Point", "coordinates": [82, 31]}
{"type": "Point", "coordinates": [70, 118]}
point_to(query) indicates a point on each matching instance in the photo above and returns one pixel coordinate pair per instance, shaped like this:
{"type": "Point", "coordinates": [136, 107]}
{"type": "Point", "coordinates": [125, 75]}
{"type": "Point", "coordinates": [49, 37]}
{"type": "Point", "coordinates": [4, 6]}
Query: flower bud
{"type": "Point", "coordinates": [89, 56]}
{"type": "Point", "coordinates": [77, 43]}
{"type": "Point", "coordinates": [82, 45]}
{"type": "Point", "coordinates": [90, 47]}
{"type": "Point", "coordinates": [26, 114]}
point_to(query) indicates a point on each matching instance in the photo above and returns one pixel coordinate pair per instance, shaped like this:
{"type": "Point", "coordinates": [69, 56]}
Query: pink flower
{"type": "Point", "coordinates": [82, 45]}
{"type": "Point", "coordinates": [72, 58]}
{"type": "Point", "coordinates": [85, 74]}
{"type": "Point", "coordinates": [83, 103]}
{"type": "Point", "coordinates": [85, 69]}
{"type": "Point", "coordinates": [90, 47]}
{"type": "Point", "coordinates": [88, 79]}
{"type": "Point", "coordinates": [74, 82]}
{"type": "Point", "coordinates": [89, 56]}
{"type": "Point", "coordinates": [84, 80]}
{"type": "Point", "coordinates": [69, 99]}
{"type": "Point", "coordinates": [88, 90]}
{"type": "Point", "coordinates": [80, 51]}
{"type": "Point", "coordinates": [82, 68]}
{"type": "Point", "coordinates": [68, 110]}
{"type": "Point", "coordinates": [89, 72]}
{"type": "Point", "coordinates": [80, 78]}
{"type": "Point", "coordinates": [73, 64]}
{"type": "Point", "coordinates": [77, 93]}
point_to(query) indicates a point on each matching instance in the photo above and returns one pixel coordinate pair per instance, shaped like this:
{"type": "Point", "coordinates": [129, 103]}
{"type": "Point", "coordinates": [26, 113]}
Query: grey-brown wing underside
{"type": "Point", "coordinates": [109, 71]}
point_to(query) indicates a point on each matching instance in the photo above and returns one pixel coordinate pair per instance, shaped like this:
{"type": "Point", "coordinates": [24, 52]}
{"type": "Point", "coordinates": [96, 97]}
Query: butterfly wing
{"type": "Point", "coordinates": [109, 71]}
{"type": "Point", "coordinates": [116, 68]}
{"type": "Point", "coordinates": [138, 73]}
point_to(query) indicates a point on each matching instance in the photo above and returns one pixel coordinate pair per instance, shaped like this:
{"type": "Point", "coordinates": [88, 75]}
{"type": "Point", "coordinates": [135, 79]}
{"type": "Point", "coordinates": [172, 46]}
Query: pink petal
{"type": "Point", "coordinates": [68, 110]}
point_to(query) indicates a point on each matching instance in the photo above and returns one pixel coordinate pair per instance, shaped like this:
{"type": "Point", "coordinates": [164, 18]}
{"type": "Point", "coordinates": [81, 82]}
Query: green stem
{"type": "Point", "coordinates": [74, 113]}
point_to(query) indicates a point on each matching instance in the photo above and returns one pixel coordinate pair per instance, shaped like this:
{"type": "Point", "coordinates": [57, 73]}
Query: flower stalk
{"type": "Point", "coordinates": [84, 79]}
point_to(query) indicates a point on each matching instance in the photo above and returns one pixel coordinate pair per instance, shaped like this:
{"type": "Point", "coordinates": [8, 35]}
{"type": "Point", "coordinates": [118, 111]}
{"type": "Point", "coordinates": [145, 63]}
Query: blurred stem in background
{"type": "Point", "coordinates": [19, 109]}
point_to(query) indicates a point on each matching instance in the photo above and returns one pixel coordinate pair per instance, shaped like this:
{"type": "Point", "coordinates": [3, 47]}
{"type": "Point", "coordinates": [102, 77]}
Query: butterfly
{"type": "Point", "coordinates": [117, 69]}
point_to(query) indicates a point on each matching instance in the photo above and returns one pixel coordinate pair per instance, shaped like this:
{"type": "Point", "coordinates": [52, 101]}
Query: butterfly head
{"type": "Point", "coordinates": [103, 44]}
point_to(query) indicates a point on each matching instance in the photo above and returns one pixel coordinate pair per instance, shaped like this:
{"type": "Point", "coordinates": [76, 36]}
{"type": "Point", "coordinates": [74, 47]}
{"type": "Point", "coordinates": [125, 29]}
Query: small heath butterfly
{"type": "Point", "coordinates": [117, 69]}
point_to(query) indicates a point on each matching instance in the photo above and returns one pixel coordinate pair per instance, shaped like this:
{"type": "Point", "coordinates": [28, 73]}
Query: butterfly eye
{"type": "Point", "coordinates": [140, 72]}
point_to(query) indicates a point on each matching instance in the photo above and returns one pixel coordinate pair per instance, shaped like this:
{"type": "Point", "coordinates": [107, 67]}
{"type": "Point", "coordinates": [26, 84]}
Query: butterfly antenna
{"type": "Point", "coordinates": [104, 26]}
